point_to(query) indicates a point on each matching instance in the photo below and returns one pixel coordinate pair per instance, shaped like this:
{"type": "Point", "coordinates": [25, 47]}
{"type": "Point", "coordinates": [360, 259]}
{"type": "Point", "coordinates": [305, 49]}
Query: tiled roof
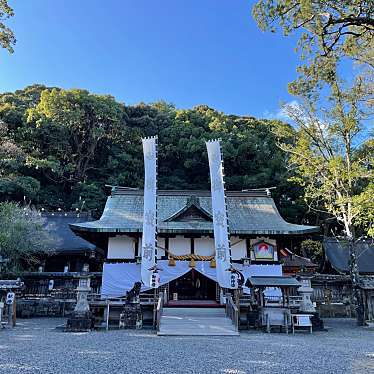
{"type": "Point", "coordinates": [250, 212]}
{"type": "Point", "coordinates": [291, 260]}
{"type": "Point", "coordinates": [272, 282]}
{"type": "Point", "coordinates": [64, 239]}
{"type": "Point", "coordinates": [337, 253]}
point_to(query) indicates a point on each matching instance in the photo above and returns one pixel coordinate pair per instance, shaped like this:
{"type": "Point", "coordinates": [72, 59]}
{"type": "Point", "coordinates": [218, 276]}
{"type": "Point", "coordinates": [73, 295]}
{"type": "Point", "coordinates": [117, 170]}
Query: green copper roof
{"type": "Point", "coordinates": [249, 212]}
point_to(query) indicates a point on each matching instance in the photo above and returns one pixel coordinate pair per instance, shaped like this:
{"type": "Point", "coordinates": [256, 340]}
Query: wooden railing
{"type": "Point", "coordinates": [232, 311]}
{"type": "Point", "coordinates": [145, 299]}
{"type": "Point", "coordinates": [159, 309]}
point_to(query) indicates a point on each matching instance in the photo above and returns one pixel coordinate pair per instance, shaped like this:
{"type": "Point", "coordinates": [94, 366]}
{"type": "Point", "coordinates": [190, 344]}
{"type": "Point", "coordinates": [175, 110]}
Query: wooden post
{"type": "Point", "coordinates": [107, 314]}
{"type": "Point", "coordinates": [10, 309]}
{"type": "Point", "coordinates": [14, 310]}
{"type": "Point", "coordinates": [154, 307]}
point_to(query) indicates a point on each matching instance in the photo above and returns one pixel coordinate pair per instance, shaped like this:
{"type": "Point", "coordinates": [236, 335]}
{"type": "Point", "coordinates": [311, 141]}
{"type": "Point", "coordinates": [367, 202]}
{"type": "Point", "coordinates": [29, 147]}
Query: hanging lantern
{"type": "Point", "coordinates": [213, 263]}
{"type": "Point", "coordinates": [171, 261]}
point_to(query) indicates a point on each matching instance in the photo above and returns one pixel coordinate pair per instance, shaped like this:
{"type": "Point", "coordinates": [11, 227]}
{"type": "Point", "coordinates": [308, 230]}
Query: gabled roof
{"type": "Point", "coordinates": [337, 253]}
{"type": "Point", "coordinates": [191, 211]}
{"type": "Point", "coordinates": [249, 212]}
{"type": "Point", "coordinates": [291, 260]}
{"type": "Point", "coordinates": [64, 239]}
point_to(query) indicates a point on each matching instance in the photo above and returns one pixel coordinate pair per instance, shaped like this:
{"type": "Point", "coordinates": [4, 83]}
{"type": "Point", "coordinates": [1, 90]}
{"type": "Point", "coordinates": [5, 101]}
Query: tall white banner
{"type": "Point", "coordinates": [221, 234]}
{"type": "Point", "coordinates": [149, 212]}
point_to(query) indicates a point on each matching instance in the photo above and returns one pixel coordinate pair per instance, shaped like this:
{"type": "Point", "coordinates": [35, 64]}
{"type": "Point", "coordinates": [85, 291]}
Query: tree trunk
{"type": "Point", "coordinates": [355, 278]}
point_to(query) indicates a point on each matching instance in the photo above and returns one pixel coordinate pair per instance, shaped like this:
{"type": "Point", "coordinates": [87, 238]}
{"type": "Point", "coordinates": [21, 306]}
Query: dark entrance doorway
{"type": "Point", "coordinates": [193, 286]}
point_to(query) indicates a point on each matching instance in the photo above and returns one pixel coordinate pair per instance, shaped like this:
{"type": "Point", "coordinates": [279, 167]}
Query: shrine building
{"type": "Point", "coordinates": [185, 242]}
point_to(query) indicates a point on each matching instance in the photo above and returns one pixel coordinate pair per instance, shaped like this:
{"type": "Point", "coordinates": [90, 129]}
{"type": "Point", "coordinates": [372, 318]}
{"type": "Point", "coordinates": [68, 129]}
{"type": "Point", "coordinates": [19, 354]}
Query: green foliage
{"type": "Point", "coordinates": [72, 143]}
{"type": "Point", "coordinates": [328, 32]}
{"type": "Point", "coordinates": [7, 38]}
{"type": "Point", "coordinates": [330, 152]}
{"type": "Point", "coordinates": [334, 172]}
{"type": "Point", "coordinates": [313, 250]}
{"type": "Point", "coordinates": [22, 237]}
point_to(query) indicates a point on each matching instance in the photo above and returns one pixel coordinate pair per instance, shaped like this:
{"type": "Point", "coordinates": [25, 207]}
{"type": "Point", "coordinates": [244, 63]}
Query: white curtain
{"type": "Point", "coordinates": [119, 278]}
{"type": "Point", "coordinates": [149, 212]}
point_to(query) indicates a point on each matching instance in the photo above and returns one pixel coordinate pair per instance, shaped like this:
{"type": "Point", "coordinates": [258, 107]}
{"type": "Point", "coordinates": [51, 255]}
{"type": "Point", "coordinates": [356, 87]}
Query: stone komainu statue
{"type": "Point", "coordinates": [132, 296]}
{"type": "Point", "coordinates": [131, 315]}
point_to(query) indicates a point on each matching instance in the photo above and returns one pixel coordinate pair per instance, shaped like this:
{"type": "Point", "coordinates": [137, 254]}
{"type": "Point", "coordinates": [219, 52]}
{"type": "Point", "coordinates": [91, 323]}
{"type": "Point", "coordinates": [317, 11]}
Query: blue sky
{"type": "Point", "coordinates": [186, 52]}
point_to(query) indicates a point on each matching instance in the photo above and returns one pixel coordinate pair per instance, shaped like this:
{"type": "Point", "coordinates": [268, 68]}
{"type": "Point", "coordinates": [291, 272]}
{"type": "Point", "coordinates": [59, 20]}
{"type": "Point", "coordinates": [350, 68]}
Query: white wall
{"type": "Point", "coordinates": [204, 246]}
{"type": "Point", "coordinates": [238, 248]}
{"type": "Point", "coordinates": [121, 247]}
{"type": "Point", "coordinates": [160, 243]}
{"type": "Point", "coordinates": [180, 245]}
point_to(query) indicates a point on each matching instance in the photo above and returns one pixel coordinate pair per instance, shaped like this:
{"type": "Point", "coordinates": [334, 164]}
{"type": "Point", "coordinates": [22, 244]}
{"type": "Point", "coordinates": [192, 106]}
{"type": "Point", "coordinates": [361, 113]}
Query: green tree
{"type": "Point", "coordinates": [329, 31]}
{"type": "Point", "coordinates": [7, 38]}
{"type": "Point", "coordinates": [330, 152]}
{"type": "Point", "coordinates": [45, 125]}
{"type": "Point", "coordinates": [68, 129]}
{"type": "Point", "coordinates": [333, 169]}
{"type": "Point", "coordinates": [22, 237]}
{"type": "Point", "coordinates": [312, 249]}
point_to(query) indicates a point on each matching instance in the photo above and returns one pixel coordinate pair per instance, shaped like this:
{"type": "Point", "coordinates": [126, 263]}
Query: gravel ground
{"type": "Point", "coordinates": [35, 346]}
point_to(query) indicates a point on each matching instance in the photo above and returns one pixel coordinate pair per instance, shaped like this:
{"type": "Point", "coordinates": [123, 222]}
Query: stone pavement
{"type": "Point", "coordinates": [35, 346]}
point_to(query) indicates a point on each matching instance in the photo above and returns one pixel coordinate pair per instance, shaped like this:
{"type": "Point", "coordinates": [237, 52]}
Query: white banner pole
{"type": "Point", "coordinates": [220, 223]}
{"type": "Point", "coordinates": [149, 212]}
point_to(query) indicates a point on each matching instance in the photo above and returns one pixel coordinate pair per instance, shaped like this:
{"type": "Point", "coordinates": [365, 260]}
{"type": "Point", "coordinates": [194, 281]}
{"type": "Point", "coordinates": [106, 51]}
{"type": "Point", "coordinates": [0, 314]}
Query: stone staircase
{"type": "Point", "coordinates": [196, 321]}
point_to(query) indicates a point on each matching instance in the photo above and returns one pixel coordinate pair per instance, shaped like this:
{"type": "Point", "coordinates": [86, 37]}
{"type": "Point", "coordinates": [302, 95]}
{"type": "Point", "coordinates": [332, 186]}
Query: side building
{"type": "Point", "coordinates": [185, 240]}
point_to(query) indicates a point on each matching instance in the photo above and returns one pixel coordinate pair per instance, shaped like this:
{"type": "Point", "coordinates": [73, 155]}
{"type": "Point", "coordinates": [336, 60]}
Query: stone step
{"type": "Point", "coordinates": [194, 312]}
{"type": "Point", "coordinates": [196, 321]}
{"type": "Point", "coordinates": [197, 333]}
{"type": "Point", "coordinates": [200, 324]}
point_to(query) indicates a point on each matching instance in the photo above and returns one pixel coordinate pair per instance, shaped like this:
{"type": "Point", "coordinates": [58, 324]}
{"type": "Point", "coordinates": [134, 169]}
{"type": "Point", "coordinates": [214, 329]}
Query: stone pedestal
{"type": "Point", "coordinates": [131, 316]}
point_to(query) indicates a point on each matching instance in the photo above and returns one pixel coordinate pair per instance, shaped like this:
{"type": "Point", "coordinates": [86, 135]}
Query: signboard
{"type": "Point", "coordinates": [263, 251]}
{"type": "Point", "coordinates": [155, 280]}
{"type": "Point", "coordinates": [234, 280]}
{"type": "Point", "coordinates": [10, 298]}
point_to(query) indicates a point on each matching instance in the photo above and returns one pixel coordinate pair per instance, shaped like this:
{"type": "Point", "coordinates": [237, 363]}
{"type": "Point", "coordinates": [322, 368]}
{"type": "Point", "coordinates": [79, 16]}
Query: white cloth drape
{"type": "Point", "coordinates": [221, 235]}
{"type": "Point", "coordinates": [119, 278]}
{"type": "Point", "coordinates": [149, 213]}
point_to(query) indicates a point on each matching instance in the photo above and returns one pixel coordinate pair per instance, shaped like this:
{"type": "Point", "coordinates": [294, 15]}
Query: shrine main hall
{"type": "Point", "coordinates": [185, 242]}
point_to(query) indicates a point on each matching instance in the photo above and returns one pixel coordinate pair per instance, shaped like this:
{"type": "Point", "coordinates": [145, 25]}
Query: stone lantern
{"type": "Point", "coordinates": [306, 291]}
{"type": "Point", "coordinates": [81, 317]}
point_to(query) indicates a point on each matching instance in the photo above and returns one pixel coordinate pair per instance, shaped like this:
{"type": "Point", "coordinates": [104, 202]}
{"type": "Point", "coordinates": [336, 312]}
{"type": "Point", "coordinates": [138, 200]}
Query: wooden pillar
{"type": "Point", "coordinates": [14, 310]}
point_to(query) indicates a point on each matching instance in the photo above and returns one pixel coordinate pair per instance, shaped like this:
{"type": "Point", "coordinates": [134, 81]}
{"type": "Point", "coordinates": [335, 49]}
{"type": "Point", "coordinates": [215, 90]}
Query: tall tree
{"type": "Point", "coordinates": [335, 170]}
{"type": "Point", "coordinates": [7, 38]}
{"type": "Point", "coordinates": [331, 152]}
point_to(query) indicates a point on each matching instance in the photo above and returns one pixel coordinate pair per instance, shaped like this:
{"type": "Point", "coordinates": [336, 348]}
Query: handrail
{"type": "Point", "coordinates": [159, 310]}
{"type": "Point", "coordinates": [232, 311]}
